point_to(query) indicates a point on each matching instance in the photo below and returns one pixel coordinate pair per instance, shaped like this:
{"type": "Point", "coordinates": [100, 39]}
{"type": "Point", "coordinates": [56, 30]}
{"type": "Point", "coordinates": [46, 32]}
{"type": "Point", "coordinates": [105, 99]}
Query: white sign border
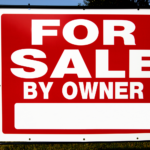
{"type": "Point", "coordinates": [68, 137]}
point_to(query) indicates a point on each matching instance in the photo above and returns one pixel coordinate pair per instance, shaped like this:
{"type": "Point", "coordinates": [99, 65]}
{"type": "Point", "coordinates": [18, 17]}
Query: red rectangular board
{"type": "Point", "coordinates": [17, 35]}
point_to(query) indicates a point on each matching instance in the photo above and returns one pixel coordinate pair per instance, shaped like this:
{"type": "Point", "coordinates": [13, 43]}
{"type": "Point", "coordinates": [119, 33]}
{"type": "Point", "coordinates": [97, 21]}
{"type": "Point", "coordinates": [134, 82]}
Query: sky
{"type": "Point", "coordinates": [41, 2]}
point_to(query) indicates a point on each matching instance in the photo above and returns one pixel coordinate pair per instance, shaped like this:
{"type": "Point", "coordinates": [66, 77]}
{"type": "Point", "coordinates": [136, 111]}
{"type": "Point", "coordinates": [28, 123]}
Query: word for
{"type": "Point", "coordinates": [92, 31]}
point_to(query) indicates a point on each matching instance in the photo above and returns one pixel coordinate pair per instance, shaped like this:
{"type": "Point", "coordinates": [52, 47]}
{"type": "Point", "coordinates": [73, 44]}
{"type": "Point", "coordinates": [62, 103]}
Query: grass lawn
{"type": "Point", "coordinates": [77, 146]}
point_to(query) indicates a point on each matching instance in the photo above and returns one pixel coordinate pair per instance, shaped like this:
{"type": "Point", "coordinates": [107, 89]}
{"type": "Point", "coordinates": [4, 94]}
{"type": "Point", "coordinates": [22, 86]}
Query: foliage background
{"type": "Point", "coordinates": [116, 3]}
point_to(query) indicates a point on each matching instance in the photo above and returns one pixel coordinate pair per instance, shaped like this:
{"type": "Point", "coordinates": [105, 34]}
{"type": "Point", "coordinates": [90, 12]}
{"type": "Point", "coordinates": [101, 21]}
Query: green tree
{"type": "Point", "coordinates": [116, 3]}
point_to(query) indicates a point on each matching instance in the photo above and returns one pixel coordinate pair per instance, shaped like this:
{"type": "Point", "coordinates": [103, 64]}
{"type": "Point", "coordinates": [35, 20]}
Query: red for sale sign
{"type": "Point", "coordinates": [73, 75]}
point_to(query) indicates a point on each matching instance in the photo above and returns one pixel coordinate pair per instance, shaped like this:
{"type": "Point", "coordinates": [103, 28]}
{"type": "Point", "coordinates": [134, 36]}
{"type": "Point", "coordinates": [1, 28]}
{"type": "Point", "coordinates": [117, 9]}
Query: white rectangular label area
{"type": "Point", "coordinates": [82, 116]}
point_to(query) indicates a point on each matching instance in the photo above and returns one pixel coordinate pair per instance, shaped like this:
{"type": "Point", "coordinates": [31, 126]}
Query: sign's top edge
{"type": "Point", "coordinates": [67, 7]}
{"type": "Point", "coordinates": [75, 11]}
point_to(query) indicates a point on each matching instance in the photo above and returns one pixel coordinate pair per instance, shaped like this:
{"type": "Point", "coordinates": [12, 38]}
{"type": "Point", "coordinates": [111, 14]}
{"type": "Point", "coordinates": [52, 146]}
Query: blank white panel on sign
{"type": "Point", "coordinates": [82, 116]}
